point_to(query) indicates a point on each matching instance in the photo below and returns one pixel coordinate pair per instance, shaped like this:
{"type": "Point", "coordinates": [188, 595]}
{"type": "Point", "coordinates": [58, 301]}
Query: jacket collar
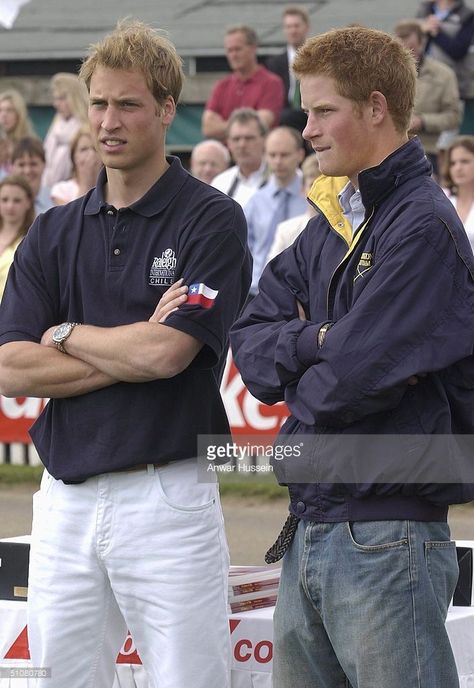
{"type": "Point", "coordinates": [403, 164]}
{"type": "Point", "coordinates": [375, 183]}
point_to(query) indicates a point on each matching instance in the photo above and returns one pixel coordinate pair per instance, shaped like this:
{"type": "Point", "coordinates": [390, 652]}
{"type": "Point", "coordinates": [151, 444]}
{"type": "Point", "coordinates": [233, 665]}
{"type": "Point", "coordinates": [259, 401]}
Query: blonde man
{"type": "Point", "coordinates": [364, 326]}
{"type": "Point", "coordinates": [124, 535]}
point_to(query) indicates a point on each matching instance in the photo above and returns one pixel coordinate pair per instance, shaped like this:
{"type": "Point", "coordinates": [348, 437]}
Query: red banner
{"type": "Point", "coordinates": [247, 415]}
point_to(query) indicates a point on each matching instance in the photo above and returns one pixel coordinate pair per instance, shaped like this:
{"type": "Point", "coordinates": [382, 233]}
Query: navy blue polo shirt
{"type": "Point", "coordinates": [90, 263]}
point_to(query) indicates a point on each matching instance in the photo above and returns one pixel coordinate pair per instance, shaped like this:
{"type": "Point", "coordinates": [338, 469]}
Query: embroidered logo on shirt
{"type": "Point", "coordinates": [365, 263]}
{"type": "Point", "coordinates": [163, 269]}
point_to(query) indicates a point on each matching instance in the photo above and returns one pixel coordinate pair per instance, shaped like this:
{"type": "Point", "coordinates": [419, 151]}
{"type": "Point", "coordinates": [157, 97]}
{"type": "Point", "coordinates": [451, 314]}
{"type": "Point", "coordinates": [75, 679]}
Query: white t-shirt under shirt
{"type": "Point", "coordinates": [243, 188]}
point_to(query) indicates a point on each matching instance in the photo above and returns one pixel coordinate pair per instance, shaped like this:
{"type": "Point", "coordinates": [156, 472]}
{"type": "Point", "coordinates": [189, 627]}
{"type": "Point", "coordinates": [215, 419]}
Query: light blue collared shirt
{"type": "Point", "coordinates": [352, 207]}
{"type": "Point", "coordinates": [261, 212]}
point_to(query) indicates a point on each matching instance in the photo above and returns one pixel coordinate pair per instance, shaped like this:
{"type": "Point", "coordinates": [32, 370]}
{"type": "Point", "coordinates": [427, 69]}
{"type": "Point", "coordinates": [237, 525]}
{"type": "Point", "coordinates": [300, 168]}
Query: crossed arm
{"type": "Point", "coordinates": [99, 357]}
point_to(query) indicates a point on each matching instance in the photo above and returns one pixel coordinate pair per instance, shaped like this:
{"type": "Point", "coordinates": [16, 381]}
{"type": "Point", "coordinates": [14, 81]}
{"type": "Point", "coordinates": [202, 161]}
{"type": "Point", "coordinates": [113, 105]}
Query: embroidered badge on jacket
{"type": "Point", "coordinates": [365, 263]}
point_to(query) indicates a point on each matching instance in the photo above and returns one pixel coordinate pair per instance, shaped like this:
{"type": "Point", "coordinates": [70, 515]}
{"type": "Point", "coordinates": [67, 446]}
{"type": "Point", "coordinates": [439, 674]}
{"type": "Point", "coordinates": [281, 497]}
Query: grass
{"type": "Point", "coordinates": [11, 474]}
{"type": "Point", "coordinates": [264, 486]}
{"type": "Point", "coordinates": [231, 484]}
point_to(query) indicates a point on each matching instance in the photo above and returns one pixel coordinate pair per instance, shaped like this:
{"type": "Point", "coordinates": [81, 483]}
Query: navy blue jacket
{"type": "Point", "coordinates": [400, 295]}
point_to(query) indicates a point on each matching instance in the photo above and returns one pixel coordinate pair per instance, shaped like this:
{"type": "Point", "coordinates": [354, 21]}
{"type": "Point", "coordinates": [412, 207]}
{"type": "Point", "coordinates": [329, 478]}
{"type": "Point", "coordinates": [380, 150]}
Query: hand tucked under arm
{"type": "Point", "coordinates": [172, 299]}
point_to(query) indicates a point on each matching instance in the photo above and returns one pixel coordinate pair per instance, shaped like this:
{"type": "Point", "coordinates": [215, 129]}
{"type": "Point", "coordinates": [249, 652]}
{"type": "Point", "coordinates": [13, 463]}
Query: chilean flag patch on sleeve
{"type": "Point", "coordinates": [201, 295]}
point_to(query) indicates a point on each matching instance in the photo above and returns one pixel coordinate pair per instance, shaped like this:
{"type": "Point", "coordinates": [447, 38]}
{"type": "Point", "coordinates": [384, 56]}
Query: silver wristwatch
{"type": "Point", "coordinates": [61, 333]}
{"type": "Point", "coordinates": [322, 333]}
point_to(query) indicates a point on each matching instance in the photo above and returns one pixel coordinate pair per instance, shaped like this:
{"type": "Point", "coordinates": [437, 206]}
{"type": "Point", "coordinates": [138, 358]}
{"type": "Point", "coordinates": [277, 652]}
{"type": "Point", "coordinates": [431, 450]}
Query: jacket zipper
{"type": "Point", "coordinates": [355, 241]}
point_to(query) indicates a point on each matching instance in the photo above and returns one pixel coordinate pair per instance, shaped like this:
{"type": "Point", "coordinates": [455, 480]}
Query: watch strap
{"type": "Point", "coordinates": [60, 344]}
{"type": "Point", "coordinates": [322, 333]}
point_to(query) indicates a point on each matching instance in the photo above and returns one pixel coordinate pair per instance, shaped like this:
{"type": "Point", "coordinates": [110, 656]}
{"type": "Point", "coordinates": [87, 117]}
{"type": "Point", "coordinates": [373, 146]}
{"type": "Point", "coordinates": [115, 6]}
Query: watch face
{"type": "Point", "coordinates": [61, 332]}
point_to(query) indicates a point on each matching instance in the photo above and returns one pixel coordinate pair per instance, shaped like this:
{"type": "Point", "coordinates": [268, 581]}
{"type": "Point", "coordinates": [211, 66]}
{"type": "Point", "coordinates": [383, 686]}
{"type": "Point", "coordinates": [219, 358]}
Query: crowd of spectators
{"type": "Point", "coordinates": [36, 174]}
{"type": "Point", "coordinates": [245, 110]}
{"type": "Point", "coordinates": [254, 109]}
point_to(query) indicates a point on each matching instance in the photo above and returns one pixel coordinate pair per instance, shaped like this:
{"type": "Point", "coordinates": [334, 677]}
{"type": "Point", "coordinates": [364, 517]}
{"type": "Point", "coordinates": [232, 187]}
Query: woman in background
{"type": "Point", "coordinates": [85, 168]}
{"type": "Point", "coordinates": [459, 180]}
{"type": "Point", "coordinates": [16, 216]}
{"type": "Point", "coordinates": [14, 119]}
{"type": "Point", "coordinates": [70, 101]}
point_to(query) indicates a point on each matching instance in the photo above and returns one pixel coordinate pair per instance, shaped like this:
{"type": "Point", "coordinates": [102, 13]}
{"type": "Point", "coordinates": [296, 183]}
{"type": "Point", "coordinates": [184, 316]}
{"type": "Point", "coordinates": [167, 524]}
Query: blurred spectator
{"type": "Point", "coordinates": [437, 104]}
{"type": "Point", "coordinates": [28, 161]}
{"type": "Point", "coordinates": [459, 180]}
{"type": "Point", "coordinates": [16, 216]}
{"type": "Point", "coordinates": [449, 27]}
{"type": "Point", "coordinates": [85, 168]}
{"type": "Point", "coordinates": [246, 141]}
{"type": "Point", "coordinates": [14, 119]}
{"type": "Point", "coordinates": [288, 230]}
{"type": "Point", "coordinates": [5, 155]}
{"type": "Point", "coordinates": [70, 100]}
{"type": "Point", "coordinates": [281, 198]}
{"type": "Point", "coordinates": [296, 29]}
{"type": "Point", "coordinates": [208, 159]}
{"type": "Point", "coordinates": [249, 85]}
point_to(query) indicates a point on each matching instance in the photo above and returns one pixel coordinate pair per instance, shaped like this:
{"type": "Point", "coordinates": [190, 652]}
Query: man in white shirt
{"type": "Point", "coordinates": [246, 142]}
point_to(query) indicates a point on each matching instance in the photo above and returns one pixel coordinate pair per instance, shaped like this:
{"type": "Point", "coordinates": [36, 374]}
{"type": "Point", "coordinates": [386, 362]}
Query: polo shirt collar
{"type": "Point", "coordinates": [249, 79]}
{"type": "Point", "coordinates": [156, 198]}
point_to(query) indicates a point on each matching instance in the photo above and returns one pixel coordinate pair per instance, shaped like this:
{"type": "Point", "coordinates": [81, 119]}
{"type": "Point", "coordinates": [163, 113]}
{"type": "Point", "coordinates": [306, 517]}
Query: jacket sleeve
{"type": "Point", "coordinates": [264, 339]}
{"type": "Point", "coordinates": [415, 315]}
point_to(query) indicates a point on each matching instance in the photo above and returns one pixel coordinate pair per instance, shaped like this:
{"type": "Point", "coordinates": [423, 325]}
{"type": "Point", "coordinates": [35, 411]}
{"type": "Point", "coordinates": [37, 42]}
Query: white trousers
{"type": "Point", "coordinates": [143, 551]}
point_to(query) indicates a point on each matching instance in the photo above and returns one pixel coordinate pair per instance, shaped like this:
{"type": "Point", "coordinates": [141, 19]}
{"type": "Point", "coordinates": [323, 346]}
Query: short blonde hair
{"type": "Point", "coordinates": [361, 61]}
{"type": "Point", "coordinates": [134, 45]}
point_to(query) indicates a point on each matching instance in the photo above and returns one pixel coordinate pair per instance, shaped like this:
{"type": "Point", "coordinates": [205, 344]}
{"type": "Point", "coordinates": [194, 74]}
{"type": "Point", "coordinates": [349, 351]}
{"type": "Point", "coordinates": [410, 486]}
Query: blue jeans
{"type": "Point", "coordinates": [364, 604]}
